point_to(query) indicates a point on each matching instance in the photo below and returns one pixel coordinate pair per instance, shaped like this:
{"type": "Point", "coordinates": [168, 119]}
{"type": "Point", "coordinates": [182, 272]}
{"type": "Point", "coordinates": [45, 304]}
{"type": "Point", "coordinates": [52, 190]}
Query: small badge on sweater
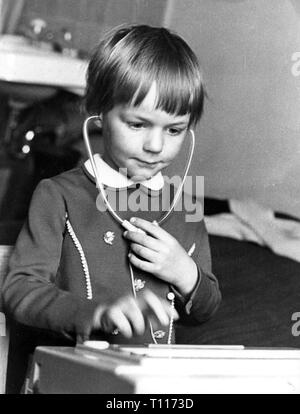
{"type": "Point", "coordinates": [159, 334]}
{"type": "Point", "coordinates": [109, 237]}
{"type": "Point", "coordinates": [139, 284]}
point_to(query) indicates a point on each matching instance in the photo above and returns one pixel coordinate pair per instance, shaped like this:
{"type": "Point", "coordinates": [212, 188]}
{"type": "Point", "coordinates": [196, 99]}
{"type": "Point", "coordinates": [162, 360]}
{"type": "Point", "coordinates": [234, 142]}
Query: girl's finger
{"type": "Point", "coordinates": [144, 252]}
{"type": "Point", "coordinates": [157, 308]}
{"type": "Point", "coordinates": [134, 315]}
{"type": "Point", "coordinates": [141, 264]}
{"type": "Point", "coordinates": [150, 228]}
{"type": "Point", "coordinates": [166, 305]}
{"type": "Point", "coordinates": [113, 319]}
{"type": "Point", "coordinates": [143, 240]}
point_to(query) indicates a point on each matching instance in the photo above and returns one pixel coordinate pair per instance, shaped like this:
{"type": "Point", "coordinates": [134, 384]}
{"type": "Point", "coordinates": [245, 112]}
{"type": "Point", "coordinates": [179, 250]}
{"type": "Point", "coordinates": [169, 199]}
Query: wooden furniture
{"type": "Point", "coordinates": [4, 334]}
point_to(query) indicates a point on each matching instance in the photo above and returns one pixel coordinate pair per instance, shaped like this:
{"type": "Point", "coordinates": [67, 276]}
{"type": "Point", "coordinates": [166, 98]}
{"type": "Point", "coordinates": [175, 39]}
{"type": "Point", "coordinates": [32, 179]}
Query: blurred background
{"type": "Point", "coordinates": [248, 142]}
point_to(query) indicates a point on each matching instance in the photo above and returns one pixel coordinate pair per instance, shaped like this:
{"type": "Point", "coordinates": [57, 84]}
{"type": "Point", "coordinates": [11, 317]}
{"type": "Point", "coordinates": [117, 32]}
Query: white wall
{"type": "Point", "coordinates": [249, 138]}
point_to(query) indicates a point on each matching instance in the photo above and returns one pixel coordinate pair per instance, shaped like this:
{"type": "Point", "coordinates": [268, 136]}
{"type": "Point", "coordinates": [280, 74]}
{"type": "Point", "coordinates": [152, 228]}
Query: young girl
{"type": "Point", "coordinates": [75, 270]}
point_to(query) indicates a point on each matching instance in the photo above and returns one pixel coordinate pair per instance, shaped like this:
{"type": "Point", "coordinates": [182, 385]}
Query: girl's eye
{"type": "Point", "coordinates": [175, 131]}
{"type": "Point", "coordinates": [136, 125]}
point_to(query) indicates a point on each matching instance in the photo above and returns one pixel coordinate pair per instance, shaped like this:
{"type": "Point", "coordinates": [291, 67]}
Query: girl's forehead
{"type": "Point", "coordinates": [150, 101]}
{"type": "Point", "coordinates": [149, 105]}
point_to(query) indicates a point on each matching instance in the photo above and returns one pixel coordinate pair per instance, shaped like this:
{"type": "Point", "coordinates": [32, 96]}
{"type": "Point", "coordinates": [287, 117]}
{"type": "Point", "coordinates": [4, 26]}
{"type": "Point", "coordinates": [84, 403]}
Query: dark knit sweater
{"type": "Point", "coordinates": [45, 287]}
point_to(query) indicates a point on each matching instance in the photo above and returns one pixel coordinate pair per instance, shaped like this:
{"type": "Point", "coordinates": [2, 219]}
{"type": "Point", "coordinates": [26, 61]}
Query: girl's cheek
{"type": "Point", "coordinates": [174, 149]}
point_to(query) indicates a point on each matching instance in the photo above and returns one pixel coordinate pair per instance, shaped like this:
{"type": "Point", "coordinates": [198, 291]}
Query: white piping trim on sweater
{"type": "Point", "coordinates": [85, 268]}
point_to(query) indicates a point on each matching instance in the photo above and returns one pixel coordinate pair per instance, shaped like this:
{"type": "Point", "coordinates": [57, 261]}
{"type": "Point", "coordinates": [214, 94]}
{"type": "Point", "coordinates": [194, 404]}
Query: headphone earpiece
{"type": "Point", "coordinates": [98, 121]}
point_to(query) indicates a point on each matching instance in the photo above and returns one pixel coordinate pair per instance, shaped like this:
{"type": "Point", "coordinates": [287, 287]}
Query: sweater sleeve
{"type": "Point", "coordinates": [205, 298]}
{"type": "Point", "coordinates": [29, 292]}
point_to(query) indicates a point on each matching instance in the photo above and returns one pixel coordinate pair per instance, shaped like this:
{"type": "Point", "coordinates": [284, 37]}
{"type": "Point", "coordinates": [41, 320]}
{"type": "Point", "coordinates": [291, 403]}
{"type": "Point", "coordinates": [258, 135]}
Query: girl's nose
{"type": "Point", "coordinates": [154, 141]}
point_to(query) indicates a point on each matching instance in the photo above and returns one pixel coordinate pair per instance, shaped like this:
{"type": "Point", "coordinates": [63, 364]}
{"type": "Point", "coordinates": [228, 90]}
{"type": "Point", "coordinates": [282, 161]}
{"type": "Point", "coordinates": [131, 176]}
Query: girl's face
{"type": "Point", "coordinates": [141, 139]}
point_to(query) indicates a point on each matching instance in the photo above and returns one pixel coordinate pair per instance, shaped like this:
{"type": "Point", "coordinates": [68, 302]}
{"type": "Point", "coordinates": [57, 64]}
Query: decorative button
{"type": "Point", "coordinates": [109, 237]}
{"type": "Point", "coordinates": [171, 296]}
{"type": "Point", "coordinates": [159, 334]}
{"type": "Point", "coordinates": [115, 332]}
{"type": "Point", "coordinates": [139, 284]}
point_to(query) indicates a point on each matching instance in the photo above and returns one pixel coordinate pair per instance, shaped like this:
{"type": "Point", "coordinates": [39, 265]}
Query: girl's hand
{"type": "Point", "coordinates": [129, 316]}
{"type": "Point", "coordinates": [160, 254]}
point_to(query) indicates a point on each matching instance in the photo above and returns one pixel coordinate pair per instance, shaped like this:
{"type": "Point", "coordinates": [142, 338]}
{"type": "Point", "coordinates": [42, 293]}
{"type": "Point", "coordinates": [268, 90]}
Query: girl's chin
{"type": "Point", "coordinates": [141, 174]}
{"type": "Point", "coordinates": [138, 177]}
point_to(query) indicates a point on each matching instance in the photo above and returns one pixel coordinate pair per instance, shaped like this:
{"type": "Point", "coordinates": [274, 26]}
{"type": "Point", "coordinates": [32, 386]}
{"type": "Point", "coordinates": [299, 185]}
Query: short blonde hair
{"type": "Point", "coordinates": [127, 62]}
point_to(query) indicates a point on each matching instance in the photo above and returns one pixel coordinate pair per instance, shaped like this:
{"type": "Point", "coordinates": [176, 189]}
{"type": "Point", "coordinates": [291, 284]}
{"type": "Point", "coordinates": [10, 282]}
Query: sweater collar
{"type": "Point", "coordinates": [115, 179]}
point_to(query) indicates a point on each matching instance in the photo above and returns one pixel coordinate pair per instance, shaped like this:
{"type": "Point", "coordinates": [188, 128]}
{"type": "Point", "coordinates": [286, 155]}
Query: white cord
{"type": "Point", "coordinates": [172, 311]}
{"type": "Point", "coordinates": [95, 168]}
{"type": "Point", "coordinates": [134, 294]}
{"type": "Point", "coordinates": [178, 192]}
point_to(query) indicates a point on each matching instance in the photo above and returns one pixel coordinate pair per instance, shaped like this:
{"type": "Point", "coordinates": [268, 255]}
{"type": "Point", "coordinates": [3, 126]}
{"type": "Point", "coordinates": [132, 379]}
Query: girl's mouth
{"type": "Point", "coordinates": [146, 163]}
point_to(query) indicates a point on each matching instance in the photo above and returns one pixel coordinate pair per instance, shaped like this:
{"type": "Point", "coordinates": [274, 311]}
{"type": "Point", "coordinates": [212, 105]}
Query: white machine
{"type": "Point", "coordinates": [100, 368]}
